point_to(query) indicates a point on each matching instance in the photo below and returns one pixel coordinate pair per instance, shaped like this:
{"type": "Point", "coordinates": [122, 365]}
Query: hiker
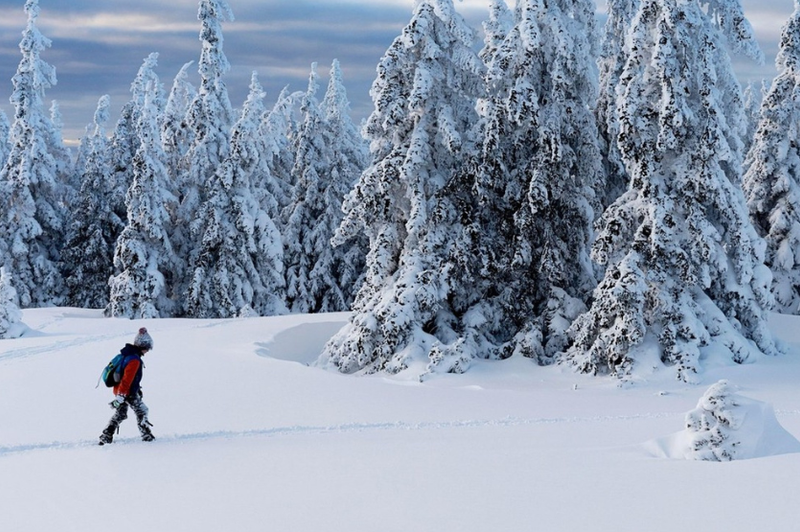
{"type": "Point", "coordinates": [129, 390]}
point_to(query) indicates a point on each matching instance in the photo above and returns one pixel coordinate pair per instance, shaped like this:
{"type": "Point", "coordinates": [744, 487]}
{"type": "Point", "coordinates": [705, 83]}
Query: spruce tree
{"type": "Point", "coordinates": [279, 131]}
{"type": "Point", "coordinates": [684, 266]}
{"type": "Point", "coordinates": [772, 180]}
{"type": "Point", "coordinates": [344, 270]}
{"type": "Point", "coordinates": [89, 250]}
{"type": "Point", "coordinates": [176, 136]}
{"type": "Point", "coordinates": [301, 245]}
{"type": "Point", "coordinates": [424, 99]}
{"type": "Point", "coordinates": [144, 257]}
{"type": "Point", "coordinates": [330, 156]}
{"type": "Point", "coordinates": [237, 270]}
{"type": "Point", "coordinates": [32, 195]}
{"type": "Point", "coordinates": [125, 140]}
{"type": "Point", "coordinates": [208, 120]}
{"type": "Point", "coordinates": [526, 249]}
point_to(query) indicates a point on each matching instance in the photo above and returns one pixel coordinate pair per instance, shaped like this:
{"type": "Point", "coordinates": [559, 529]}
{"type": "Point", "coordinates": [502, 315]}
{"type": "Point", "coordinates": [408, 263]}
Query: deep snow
{"type": "Point", "coordinates": [251, 437]}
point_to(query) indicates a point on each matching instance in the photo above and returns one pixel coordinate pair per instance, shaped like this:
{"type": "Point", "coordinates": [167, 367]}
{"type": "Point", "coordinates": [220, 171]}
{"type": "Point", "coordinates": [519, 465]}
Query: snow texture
{"type": "Point", "coordinates": [250, 436]}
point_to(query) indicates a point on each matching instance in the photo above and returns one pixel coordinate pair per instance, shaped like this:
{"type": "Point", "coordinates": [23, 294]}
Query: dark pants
{"type": "Point", "coordinates": [121, 414]}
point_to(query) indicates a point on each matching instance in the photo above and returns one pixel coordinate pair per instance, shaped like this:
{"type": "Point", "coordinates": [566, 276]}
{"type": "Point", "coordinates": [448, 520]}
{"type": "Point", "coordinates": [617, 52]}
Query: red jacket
{"type": "Point", "coordinates": [132, 375]}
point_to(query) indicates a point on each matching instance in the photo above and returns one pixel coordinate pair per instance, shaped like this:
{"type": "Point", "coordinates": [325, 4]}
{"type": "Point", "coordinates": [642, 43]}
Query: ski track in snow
{"type": "Point", "coordinates": [333, 429]}
{"type": "Point", "coordinates": [58, 345]}
{"type": "Point", "coordinates": [344, 428]}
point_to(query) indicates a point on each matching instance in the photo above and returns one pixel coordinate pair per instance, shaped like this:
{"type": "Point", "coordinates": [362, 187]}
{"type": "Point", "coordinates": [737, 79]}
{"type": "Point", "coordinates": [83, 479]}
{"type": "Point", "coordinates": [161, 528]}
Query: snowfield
{"type": "Point", "coordinates": [251, 437]}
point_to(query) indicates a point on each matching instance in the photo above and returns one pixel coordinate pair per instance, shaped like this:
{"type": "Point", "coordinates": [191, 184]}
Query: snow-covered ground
{"type": "Point", "coordinates": [252, 438]}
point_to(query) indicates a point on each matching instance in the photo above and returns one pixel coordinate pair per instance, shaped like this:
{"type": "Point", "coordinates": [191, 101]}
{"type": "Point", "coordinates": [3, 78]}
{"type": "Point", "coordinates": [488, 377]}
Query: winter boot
{"type": "Point", "coordinates": [144, 430]}
{"type": "Point", "coordinates": [107, 436]}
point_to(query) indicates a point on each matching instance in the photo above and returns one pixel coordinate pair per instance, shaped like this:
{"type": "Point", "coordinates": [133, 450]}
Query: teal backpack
{"type": "Point", "coordinates": [112, 373]}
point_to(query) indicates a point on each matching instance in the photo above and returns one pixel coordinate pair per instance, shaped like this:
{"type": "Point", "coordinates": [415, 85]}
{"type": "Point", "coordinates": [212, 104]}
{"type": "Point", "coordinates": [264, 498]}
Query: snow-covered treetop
{"type": "Point", "coordinates": [788, 57]}
{"type": "Point", "coordinates": [335, 102]}
{"type": "Point", "coordinates": [213, 62]}
{"type": "Point", "coordinates": [145, 77]}
{"type": "Point", "coordinates": [101, 115]}
{"type": "Point", "coordinates": [31, 45]}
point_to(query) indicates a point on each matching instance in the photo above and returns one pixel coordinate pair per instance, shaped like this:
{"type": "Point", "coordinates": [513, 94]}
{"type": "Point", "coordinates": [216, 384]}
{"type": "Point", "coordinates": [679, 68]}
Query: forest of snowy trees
{"type": "Point", "coordinates": [574, 195]}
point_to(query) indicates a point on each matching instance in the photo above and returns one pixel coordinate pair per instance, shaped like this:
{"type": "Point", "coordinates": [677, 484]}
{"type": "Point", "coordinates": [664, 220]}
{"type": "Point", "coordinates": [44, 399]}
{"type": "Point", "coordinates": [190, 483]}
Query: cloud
{"type": "Point", "coordinates": [98, 45]}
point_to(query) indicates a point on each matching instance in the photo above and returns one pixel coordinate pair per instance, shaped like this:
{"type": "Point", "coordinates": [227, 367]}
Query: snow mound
{"type": "Point", "coordinates": [727, 426]}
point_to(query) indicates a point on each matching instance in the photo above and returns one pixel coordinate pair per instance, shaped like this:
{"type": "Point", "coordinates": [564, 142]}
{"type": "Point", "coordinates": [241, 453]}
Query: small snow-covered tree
{"type": "Point", "coordinates": [237, 270]}
{"type": "Point", "coordinates": [32, 227]}
{"type": "Point", "coordinates": [89, 250]}
{"type": "Point", "coordinates": [684, 266]}
{"type": "Point", "coordinates": [424, 99]}
{"type": "Point", "coordinates": [144, 258]}
{"type": "Point", "coordinates": [712, 425]}
{"type": "Point", "coordinates": [10, 315]}
{"type": "Point", "coordinates": [772, 180]}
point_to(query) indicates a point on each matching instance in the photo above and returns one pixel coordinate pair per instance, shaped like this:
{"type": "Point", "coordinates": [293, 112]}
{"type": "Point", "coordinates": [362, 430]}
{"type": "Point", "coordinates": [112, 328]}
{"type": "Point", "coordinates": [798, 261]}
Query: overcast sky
{"type": "Point", "coordinates": [98, 45]}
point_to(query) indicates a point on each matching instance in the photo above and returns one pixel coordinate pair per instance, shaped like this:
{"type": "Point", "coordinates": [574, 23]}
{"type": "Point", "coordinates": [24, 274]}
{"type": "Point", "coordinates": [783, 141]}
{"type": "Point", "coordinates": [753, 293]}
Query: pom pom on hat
{"type": "Point", "coordinates": [143, 339]}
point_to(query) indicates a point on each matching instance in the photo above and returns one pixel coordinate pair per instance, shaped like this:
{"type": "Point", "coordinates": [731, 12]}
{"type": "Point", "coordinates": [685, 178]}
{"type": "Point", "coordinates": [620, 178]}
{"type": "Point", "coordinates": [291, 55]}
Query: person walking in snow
{"type": "Point", "coordinates": [129, 390]}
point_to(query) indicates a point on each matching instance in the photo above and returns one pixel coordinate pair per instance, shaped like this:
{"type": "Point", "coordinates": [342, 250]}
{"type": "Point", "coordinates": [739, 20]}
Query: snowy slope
{"type": "Point", "coordinates": [251, 438]}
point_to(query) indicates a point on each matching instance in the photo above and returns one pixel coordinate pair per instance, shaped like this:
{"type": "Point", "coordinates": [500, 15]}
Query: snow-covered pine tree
{"type": "Point", "coordinates": [330, 155]}
{"type": "Point", "coordinates": [208, 119]}
{"type": "Point", "coordinates": [350, 154]}
{"type": "Point", "coordinates": [125, 140]}
{"type": "Point", "coordinates": [122, 147]}
{"type": "Point", "coordinates": [301, 247]}
{"type": "Point", "coordinates": [176, 137]}
{"type": "Point", "coordinates": [684, 265]}
{"type": "Point", "coordinates": [144, 258]}
{"type": "Point", "coordinates": [10, 315]}
{"type": "Point", "coordinates": [611, 64]}
{"type": "Point", "coordinates": [238, 268]}
{"type": "Point", "coordinates": [88, 254]}
{"type": "Point", "coordinates": [31, 231]}
{"type": "Point", "coordinates": [536, 178]}
{"type": "Point", "coordinates": [279, 130]}
{"type": "Point", "coordinates": [772, 180]}
{"type": "Point", "coordinates": [424, 99]}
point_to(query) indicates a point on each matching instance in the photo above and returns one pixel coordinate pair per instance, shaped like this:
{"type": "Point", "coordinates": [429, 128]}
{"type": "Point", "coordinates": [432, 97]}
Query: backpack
{"type": "Point", "coordinates": [112, 373]}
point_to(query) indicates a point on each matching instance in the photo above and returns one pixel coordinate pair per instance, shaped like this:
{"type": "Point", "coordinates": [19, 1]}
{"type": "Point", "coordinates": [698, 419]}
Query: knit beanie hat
{"type": "Point", "coordinates": [143, 339]}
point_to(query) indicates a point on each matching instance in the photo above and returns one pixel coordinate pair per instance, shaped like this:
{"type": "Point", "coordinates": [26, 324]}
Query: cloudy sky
{"type": "Point", "coordinates": [98, 45]}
